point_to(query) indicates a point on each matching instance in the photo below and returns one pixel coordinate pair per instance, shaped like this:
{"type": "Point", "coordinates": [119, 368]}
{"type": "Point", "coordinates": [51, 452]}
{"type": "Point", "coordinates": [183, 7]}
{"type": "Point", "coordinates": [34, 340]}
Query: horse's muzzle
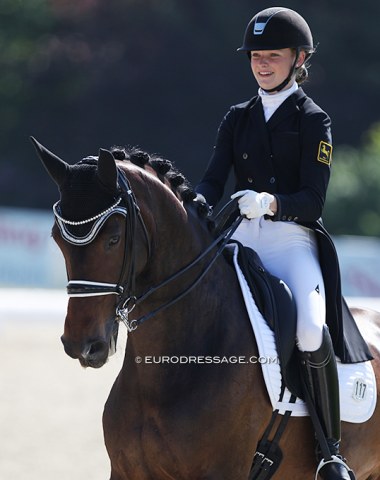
{"type": "Point", "coordinates": [91, 354]}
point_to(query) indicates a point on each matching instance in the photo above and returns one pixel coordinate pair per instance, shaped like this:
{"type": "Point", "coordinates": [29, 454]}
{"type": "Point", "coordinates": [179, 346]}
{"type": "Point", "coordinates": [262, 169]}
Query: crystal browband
{"type": "Point", "coordinates": [98, 220]}
{"type": "Point", "coordinates": [88, 220]}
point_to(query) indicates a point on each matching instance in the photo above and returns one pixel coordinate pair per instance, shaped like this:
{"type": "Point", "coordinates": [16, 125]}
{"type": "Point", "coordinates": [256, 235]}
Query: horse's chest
{"type": "Point", "coordinates": [176, 441]}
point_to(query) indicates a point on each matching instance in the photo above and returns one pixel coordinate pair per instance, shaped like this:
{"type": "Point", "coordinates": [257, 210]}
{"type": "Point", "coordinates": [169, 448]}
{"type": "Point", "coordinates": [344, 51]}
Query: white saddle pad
{"type": "Point", "coordinates": [357, 383]}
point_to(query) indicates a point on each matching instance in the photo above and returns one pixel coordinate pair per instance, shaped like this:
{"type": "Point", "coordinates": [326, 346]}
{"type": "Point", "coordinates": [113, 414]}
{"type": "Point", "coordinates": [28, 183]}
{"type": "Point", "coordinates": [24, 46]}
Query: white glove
{"type": "Point", "coordinates": [253, 204]}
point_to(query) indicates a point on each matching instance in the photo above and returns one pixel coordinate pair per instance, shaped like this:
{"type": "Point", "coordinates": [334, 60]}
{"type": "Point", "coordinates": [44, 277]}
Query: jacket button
{"type": "Point", "coordinates": [250, 180]}
{"type": "Point", "coordinates": [295, 219]}
{"type": "Point", "coordinates": [245, 156]}
{"type": "Point", "coordinates": [290, 219]}
{"type": "Point", "coordinates": [283, 218]}
{"type": "Point", "coordinates": [272, 180]}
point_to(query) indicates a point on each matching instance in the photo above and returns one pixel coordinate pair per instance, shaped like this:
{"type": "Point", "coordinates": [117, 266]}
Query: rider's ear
{"type": "Point", "coordinates": [56, 167]}
{"type": "Point", "coordinates": [107, 170]}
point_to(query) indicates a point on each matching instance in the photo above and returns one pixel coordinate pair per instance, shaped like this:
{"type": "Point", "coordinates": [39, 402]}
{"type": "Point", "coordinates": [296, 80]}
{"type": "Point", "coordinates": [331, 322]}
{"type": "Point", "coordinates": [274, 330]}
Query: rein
{"type": "Point", "coordinates": [127, 206]}
{"type": "Point", "coordinates": [130, 303]}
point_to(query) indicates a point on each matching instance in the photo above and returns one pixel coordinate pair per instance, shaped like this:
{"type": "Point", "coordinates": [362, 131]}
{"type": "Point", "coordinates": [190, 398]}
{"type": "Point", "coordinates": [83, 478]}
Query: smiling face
{"type": "Point", "coordinates": [271, 67]}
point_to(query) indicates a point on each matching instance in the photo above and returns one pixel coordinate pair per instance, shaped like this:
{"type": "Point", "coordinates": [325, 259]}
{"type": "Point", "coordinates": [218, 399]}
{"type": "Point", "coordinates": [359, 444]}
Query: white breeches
{"type": "Point", "coordinates": [289, 251]}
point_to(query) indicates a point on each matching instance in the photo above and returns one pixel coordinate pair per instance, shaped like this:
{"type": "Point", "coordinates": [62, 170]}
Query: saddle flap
{"type": "Point", "coordinates": [276, 304]}
{"type": "Point", "coordinates": [357, 382]}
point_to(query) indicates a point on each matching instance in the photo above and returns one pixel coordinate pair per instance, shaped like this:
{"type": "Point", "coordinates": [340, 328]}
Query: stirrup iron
{"type": "Point", "coordinates": [334, 459]}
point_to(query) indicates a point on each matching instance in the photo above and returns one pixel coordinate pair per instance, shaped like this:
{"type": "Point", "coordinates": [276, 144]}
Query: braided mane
{"type": "Point", "coordinates": [164, 170]}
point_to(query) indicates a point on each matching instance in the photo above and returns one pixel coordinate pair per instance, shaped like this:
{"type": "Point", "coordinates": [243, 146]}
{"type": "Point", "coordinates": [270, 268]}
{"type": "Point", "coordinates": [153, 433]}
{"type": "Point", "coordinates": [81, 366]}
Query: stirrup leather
{"type": "Point", "coordinates": [334, 459]}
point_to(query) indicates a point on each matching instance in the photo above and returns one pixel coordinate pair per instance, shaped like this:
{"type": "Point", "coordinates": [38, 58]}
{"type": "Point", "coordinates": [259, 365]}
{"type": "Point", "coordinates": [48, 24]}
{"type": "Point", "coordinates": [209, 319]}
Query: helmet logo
{"type": "Point", "coordinates": [259, 28]}
{"type": "Point", "coordinates": [262, 21]}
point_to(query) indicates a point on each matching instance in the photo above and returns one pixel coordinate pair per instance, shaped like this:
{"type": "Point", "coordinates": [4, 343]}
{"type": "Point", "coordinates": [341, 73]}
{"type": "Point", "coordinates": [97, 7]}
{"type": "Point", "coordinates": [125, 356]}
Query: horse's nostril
{"type": "Point", "coordinates": [92, 354]}
{"type": "Point", "coordinates": [97, 349]}
{"type": "Point", "coordinates": [95, 354]}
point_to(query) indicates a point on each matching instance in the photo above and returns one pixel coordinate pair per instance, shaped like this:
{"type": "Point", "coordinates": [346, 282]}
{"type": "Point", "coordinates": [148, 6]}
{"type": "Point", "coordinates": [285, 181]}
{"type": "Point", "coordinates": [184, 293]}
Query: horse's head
{"type": "Point", "coordinates": [106, 240]}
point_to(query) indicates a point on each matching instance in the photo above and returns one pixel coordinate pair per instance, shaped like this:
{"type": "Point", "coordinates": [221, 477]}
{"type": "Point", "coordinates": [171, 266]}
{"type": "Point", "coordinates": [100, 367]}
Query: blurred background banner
{"type": "Point", "coordinates": [30, 258]}
{"type": "Point", "coordinates": [360, 265]}
{"type": "Point", "coordinates": [28, 255]}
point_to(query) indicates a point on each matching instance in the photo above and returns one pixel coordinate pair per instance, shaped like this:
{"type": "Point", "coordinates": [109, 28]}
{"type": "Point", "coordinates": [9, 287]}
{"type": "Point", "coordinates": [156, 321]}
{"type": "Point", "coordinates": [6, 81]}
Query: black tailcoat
{"type": "Point", "coordinates": [289, 156]}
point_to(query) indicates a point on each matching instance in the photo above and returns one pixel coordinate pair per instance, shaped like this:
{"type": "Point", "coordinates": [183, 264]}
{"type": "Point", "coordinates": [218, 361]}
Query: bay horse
{"type": "Point", "coordinates": [129, 228]}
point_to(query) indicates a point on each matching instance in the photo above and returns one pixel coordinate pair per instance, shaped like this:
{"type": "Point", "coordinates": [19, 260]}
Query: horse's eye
{"type": "Point", "coordinates": [114, 240]}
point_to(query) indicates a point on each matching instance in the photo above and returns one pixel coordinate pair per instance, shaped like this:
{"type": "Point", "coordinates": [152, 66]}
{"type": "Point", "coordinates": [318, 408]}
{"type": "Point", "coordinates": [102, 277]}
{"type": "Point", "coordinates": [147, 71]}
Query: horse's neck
{"type": "Point", "coordinates": [209, 321]}
{"type": "Point", "coordinates": [179, 238]}
{"type": "Point", "coordinates": [175, 250]}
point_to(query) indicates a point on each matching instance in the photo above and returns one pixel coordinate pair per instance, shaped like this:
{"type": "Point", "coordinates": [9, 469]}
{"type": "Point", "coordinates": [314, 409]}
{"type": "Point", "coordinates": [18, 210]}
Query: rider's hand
{"type": "Point", "coordinates": [253, 204]}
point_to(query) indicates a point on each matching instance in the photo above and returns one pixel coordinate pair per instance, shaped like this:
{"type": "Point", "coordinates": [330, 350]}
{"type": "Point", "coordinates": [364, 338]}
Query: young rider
{"type": "Point", "coordinates": [280, 148]}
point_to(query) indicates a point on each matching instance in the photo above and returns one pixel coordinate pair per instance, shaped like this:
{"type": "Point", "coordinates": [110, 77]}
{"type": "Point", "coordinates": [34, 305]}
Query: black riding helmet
{"type": "Point", "coordinates": [276, 28]}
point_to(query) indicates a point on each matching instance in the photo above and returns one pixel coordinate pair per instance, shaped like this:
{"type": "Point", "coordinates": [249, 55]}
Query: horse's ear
{"type": "Point", "coordinates": [107, 170]}
{"type": "Point", "coordinates": [56, 167]}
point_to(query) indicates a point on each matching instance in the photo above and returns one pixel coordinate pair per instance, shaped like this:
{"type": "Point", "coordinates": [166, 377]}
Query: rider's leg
{"type": "Point", "coordinates": [319, 370]}
{"type": "Point", "coordinates": [290, 252]}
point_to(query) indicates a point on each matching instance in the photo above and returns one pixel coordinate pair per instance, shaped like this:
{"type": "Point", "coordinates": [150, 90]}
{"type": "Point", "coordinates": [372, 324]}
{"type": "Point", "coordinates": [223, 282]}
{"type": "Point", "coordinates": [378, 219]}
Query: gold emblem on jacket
{"type": "Point", "coordinates": [324, 152]}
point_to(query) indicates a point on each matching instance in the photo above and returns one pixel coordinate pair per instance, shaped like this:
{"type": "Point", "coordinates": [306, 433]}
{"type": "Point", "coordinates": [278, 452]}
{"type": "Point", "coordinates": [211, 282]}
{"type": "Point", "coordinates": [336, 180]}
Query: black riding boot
{"type": "Point", "coordinates": [319, 370]}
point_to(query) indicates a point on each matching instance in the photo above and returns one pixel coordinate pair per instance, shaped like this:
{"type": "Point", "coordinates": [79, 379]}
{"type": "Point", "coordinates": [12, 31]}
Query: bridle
{"type": "Point", "coordinates": [127, 206]}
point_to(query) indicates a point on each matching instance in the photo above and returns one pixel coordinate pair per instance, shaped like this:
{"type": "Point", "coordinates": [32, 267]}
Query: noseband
{"type": "Point", "coordinates": [126, 205]}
